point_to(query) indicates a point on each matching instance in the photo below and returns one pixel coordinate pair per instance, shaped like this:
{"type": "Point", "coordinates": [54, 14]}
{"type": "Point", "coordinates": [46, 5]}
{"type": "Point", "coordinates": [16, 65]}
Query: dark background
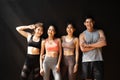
{"type": "Point", "coordinates": [24, 12]}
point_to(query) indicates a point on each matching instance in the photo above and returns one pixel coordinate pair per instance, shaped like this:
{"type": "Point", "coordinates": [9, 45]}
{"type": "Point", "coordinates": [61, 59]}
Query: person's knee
{"type": "Point", "coordinates": [98, 75]}
{"type": "Point", "coordinates": [24, 73]}
{"type": "Point", "coordinates": [57, 76]}
{"type": "Point", "coordinates": [36, 72]}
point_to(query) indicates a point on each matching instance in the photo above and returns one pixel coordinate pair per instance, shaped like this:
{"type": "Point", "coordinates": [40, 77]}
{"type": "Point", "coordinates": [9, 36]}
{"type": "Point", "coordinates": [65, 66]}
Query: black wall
{"type": "Point", "coordinates": [23, 12]}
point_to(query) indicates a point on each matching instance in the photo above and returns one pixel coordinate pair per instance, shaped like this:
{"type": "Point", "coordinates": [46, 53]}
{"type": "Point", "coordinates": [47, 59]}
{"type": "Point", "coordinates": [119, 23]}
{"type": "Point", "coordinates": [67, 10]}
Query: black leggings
{"type": "Point", "coordinates": [67, 67]}
{"type": "Point", "coordinates": [31, 65]}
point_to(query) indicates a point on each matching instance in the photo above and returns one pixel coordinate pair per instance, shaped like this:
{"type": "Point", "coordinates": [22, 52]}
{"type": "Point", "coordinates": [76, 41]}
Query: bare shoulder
{"type": "Point", "coordinates": [76, 39]}
{"type": "Point", "coordinates": [29, 36]}
{"type": "Point", "coordinates": [58, 39]}
{"type": "Point", "coordinates": [81, 35]}
{"type": "Point", "coordinates": [62, 37]}
{"type": "Point", "coordinates": [100, 31]}
{"type": "Point", "coordinates": [43, 41]}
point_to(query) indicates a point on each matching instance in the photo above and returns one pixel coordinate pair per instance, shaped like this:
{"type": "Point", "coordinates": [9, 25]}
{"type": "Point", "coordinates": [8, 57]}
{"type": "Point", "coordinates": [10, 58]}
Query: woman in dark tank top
{"type": "Point", "coordinates": [70, 53]}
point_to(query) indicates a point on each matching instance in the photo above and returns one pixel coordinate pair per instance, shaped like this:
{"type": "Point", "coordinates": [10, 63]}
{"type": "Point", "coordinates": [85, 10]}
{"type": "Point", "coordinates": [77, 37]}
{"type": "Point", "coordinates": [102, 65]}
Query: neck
{"type": "Point", "coordinates": [90, 30]}
{"type": "Point", "coordinates": [50, 38]}
{"type": "Point", "coordinates": [36, 36]}
{"type": "Point", "coordinates": [69, 36]}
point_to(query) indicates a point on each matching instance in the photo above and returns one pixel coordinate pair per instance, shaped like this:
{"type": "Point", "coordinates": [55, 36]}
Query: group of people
{"type": "Point", "coordinates": [46, 55]}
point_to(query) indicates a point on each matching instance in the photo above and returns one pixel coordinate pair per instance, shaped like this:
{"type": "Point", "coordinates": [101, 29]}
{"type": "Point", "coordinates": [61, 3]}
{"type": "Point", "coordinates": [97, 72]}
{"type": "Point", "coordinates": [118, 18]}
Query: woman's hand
{"type": "Point", "coordinates": [43, 56]}
{"type": "Point", "coordinates": [32, 26]}
{"type": "Point", "coordinates": [57, 68]}
{"type": "Point", "coordinates": [75, 68]}
{"type": "Point", "coordinates": [42, 72]}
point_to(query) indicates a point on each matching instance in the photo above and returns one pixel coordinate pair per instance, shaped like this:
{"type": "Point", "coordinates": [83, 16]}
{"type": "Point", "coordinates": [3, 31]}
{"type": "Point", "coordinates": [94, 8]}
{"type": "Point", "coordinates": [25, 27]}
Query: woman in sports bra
{"type": "Point", "coordinates": [70, 53]}
{"type": "Point", "coordinates": [53, 52]}
{"type": "Point", "coordinates": [33, 50]}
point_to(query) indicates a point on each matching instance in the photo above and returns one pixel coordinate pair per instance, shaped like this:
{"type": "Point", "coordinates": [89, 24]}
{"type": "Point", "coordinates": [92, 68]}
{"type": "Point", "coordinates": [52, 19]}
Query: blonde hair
{"type": "Point", "coordinates": [38, 25]}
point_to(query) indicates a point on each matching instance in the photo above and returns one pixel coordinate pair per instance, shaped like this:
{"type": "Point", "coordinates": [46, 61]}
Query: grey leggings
{"type": "Point", "coordinates": [49, 63]}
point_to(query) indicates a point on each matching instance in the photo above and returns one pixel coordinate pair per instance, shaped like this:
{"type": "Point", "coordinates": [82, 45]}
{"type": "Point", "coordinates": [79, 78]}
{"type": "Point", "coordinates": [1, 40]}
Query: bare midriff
{"type": "Point", "coordinates": [68, 52]}
{"type": "Point", "coordinates": [33, 50]}
{"type": "Point", "coordinates": [51, 54]}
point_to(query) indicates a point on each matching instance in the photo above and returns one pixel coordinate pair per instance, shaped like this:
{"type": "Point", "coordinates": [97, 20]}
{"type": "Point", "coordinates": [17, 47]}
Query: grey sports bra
{"type": "Point", "coordinates": [68, 45]}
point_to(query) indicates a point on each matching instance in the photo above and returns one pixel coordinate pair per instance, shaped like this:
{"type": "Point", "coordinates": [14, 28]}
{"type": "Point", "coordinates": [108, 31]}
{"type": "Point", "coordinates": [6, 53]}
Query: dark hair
{"type": "Point", "coordinates": [71, 23]}
{"type": "Point", "coordinates": [93, 19]}
{"type": "Point", "coordinates": [73, 26]}
{"type": "Point", "coordinates": [89, 17]}
{"type": "Point", "coordinates": [55, 30]}
{"type": "Point", "coordinates": [53, 27]}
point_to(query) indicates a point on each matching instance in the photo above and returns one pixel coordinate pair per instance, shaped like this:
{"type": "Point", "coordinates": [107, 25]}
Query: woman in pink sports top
{"type": "Point", "coordinates": [51, 47]}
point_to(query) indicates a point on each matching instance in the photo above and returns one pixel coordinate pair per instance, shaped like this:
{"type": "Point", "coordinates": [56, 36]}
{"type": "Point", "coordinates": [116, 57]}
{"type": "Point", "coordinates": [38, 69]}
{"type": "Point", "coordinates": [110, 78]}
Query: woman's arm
{"type": "Point", "coordinates": [21, 30]}
{"type": "Point", "coordinates": [59, 55]}
{"type": "Point", "coordinates": [76, 50]}
{"type": "Point", "coordinates": [42, 56]}
{"type": "Point", "coordinates": [42, 53]}
{"type": "Point", "coordinates": [76, 55]}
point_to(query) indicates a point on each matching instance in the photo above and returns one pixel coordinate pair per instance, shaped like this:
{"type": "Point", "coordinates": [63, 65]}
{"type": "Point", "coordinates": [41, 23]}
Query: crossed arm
{"type": "Point", "coordinates": [87, 47]}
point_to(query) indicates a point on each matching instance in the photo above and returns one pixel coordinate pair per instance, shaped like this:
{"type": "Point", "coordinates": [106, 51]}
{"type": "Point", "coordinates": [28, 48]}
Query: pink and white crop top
{"type": "Point", "coordinates": [51, 46]}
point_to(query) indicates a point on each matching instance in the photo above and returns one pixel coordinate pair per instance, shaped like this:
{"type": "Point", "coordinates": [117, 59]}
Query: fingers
{"type": "Point", "coordinates": [43, 56]}
{"type": "Point", "coordinates": [75, 68]}
{"type": "Point", "coordinates": [57, 68]}
{"type": "Point", "coordinates": [42, 72]}
{"type": "Point", "coordinates": [32, 26]}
